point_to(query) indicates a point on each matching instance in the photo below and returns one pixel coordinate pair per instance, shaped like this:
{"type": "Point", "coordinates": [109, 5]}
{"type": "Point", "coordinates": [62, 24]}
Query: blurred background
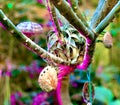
{"type": "Point", "coordinates": [20, 68]}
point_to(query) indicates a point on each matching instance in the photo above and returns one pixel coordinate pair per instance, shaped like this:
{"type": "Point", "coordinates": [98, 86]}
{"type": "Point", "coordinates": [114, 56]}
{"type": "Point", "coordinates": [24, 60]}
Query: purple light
{"type": "Point", "coordinates": [0, 73]}
{"type": "Point", "coordinates": [1, 25]}
{"type": "Point", "coordinates": [40, 98]}
{"type": "Point", "coordinates": [40, 1]}
{"type": "Point", "coordinates": [69, 3]}
{"type": "Point", "coordinates": [87, 58]}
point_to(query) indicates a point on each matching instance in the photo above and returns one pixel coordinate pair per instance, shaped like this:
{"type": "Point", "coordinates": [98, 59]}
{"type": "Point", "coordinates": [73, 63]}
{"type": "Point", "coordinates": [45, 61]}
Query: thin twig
{"type": "Point", "coordinates": [51, 11]}
{"type": "Point", "coordinates": [55, 18]}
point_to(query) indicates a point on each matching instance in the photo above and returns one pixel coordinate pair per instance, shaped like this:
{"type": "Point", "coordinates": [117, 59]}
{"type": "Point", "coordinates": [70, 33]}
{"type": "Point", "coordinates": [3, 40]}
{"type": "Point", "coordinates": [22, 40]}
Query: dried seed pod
{"type": "Point", "coordinates": [29, 28]}
{"type": "Point", "coordinates": [107, 40]}
{"type": "Point", "coordinates": [88, 92]}
{"type": "Point", "coordinates": [48, 79]}
{"type": "Point", "coordinates": [72, 47]}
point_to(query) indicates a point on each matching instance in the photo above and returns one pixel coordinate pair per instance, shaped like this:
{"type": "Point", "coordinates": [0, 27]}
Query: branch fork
{"type": "Point", "coordinates": [101, 18]}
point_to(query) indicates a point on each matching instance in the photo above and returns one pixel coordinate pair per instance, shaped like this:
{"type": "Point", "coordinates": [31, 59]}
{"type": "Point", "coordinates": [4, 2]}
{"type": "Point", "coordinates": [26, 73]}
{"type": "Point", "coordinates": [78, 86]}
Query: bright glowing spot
{"type": "Point", "coordinates": [10, 5]}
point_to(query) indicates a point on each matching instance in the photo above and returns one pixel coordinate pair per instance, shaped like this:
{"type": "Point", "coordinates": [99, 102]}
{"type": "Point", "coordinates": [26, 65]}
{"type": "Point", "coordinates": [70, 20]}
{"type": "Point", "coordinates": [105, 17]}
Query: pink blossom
{"type": "Point", "coordinates": [40, 1]}
{"type": "Point", "coordinates": [0, 73]}
{"type": "Point", "coordinates": [40, 99]}
{"type": "Point", "coordinates": [8, 73]}
{"type": "Point", "coordinates": [14, 99]}
{"type": "Point", "coordinates": [9, 65]}
{"type": "Point", "coordinates": [69, 2]}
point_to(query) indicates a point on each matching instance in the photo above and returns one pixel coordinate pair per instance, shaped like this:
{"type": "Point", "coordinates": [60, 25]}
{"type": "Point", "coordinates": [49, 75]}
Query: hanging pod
{"type": "Point", "coordinates": [48, 79]}
{"type": "Point", "coordinates": [88, 92]}
{"type": "Point", "coordinates": [108, 40]}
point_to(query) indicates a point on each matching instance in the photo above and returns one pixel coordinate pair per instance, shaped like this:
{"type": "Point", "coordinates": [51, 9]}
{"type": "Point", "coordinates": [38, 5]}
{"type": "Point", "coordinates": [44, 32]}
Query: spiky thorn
{"type": "Point", "coordinates": [27, 42]}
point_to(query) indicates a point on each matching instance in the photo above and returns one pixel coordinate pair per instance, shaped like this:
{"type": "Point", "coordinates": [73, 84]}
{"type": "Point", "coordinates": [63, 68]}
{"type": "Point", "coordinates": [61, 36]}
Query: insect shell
{"type": "Point", "coordinates": [86, 93]}
{"type": "Point", "coordinates": [48, 79]}
{"type": "Point", "coordinates": [107, 40]}
{"type": "Point", "coordinates": [30, 28]}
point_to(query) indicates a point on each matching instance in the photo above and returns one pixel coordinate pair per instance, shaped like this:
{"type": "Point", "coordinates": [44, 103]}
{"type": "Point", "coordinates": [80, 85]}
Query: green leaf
{"type": "Point", "coordinates": [15, 72]}
{"type": "Point", "coordinates": [116, 102]}
{"type": "Point", "coordinates": [26, 99]}
{"type": "Point", "coordinates": [28, 2]}
{"type": "Point", "coordinates": [10, 5]}
{"type": "Point", "coordinates": [114, 33]}
{"type": "Point", "coordinates": [103, 94]}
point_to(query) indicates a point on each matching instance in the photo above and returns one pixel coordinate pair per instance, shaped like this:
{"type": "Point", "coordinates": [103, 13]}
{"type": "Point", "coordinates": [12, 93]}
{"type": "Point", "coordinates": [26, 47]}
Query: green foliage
{"type": "Point", "coordinates": [116, 102]}
{"type": "Point", "coordinates": [108, 73]}
{"type": "Point", "coordinates": [6, 102]}
{"type": "Point", "coordinates": [103, 94]}
{"type": "Point", "coordinates": [115, 27]}
{"type": "Point", "coordinates": [15, 73]}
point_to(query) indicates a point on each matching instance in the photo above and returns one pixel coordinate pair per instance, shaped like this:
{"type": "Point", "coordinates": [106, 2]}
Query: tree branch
{"type": "Point", "coordinates": [103, 8]}
{"type": "Point", "coordinates": [61, 18]}
{"type": "Point", "coordinates": [62, 92]}
{"type": "Point", "coordinates": [55, 18]}
{"type": "Point", "coordinates": [74, 4]}
{"type": "Point", "coordinates": [52, 13]}
{"type": "Point", "coordinates": [69, 14]}
{"type": "Point", "coordinates": [65, 91]}
{"type": "Point", "coordinates": [91, 46]}
{"type": "Point", "coordinates": [108, 18]}
{"type": "Point", "coordinates": [27, 42]}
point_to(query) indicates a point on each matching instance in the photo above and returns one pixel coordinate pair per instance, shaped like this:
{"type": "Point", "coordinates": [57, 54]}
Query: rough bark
{"type": "Point", "coordinates": [65, 91]}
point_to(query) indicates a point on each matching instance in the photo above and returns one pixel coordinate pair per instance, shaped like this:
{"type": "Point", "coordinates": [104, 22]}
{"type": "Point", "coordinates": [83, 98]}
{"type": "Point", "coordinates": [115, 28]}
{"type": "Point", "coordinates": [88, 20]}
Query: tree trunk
{"type": "Point", "coordinates": [65, 91]}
